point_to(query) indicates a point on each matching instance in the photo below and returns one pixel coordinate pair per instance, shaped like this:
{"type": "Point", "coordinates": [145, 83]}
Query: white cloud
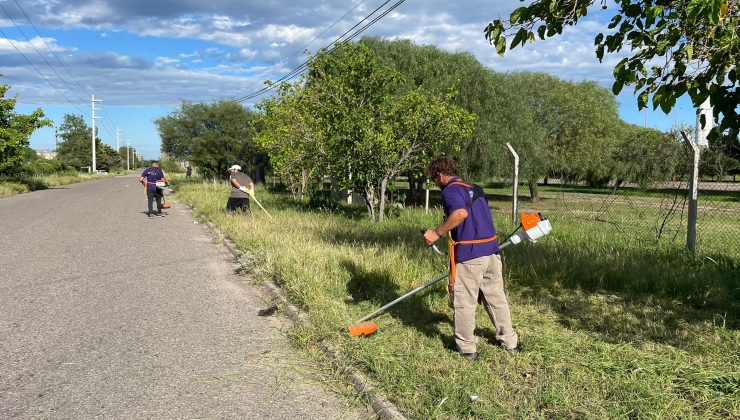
{"type": "Point", "coordinates": [249, 37]}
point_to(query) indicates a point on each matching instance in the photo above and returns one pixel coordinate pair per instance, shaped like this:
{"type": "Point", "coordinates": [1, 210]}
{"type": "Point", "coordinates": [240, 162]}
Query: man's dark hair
{"type": "Point", "coordinates": [154, 161]}
{"type": "Point", "coordinates": [443, 165]}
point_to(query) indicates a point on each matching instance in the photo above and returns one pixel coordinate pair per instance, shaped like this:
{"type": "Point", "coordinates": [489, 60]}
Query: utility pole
{"type": "Point", "coordinates": [118, 140]}
{"type": "Point", "coordinates": [56, 139]}
{"type": "Point", "coordinates": [128, 154]}
{"type": "Point", "coordinates": [92, 107]}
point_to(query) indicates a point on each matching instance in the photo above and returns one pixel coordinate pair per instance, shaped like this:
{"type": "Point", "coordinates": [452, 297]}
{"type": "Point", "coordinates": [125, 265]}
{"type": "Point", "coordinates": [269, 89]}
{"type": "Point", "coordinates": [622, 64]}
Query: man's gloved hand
{"type": "Point", "coordinates": [243, 189]}
{"type": "Point", "coordinates": [250, 192]}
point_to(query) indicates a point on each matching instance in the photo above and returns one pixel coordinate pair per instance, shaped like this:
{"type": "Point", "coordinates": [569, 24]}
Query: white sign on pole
{"type": "Point", "coordinates": [702, 133]}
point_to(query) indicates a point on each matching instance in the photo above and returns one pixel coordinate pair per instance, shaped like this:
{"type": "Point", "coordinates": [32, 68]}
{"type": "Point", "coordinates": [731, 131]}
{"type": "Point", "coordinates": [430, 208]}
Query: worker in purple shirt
{"type": "Point", "coordinates": [476, 273]}
{"type": "Point", "coordinates": [153, 180]}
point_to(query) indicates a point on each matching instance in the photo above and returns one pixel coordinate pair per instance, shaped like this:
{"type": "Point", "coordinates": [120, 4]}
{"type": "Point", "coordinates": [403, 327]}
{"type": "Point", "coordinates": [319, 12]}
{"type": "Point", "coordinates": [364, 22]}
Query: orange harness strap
{"type": "Point", "coordinates": [452, 243]}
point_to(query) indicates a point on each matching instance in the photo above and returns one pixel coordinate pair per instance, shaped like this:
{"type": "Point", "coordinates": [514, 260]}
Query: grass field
{"type": "Point", "coordinates": [13, 186]}
{"type": "Point", "coordinates": [611, 327]}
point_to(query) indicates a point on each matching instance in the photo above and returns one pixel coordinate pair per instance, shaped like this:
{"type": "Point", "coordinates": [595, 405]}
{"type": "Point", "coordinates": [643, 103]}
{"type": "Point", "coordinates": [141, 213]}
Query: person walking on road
{"type": "Point", "coordinates": [475, 265]}
{"type": "Point", "coordinates": [242, 188]}
{"type": "Point", "coordinates": [153, 180]}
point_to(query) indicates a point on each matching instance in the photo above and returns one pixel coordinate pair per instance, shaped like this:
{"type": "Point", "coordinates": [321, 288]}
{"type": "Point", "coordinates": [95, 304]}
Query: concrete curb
{"type": "Point", "coordinates": [363, 385]}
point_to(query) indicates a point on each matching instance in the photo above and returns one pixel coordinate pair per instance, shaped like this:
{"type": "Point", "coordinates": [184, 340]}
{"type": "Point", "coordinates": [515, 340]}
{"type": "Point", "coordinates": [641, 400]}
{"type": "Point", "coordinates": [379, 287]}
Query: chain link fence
{"type": "Point", "coordinates": [652, 216]}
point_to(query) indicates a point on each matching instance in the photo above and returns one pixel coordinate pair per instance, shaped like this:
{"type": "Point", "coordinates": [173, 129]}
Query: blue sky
{"type": "Point", "coordinates": [143, 57]}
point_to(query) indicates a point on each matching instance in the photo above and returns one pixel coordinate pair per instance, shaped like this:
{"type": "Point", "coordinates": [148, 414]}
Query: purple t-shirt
{"type": "Point", "coordinates": [478, 224]}
{"type": "Point", "coordinates": [152, 175]}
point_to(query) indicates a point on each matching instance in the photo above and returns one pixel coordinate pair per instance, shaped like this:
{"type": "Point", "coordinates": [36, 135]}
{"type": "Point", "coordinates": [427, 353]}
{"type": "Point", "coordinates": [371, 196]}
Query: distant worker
{"type": "Point", "coordinates": [475, 264]}
{"type": "Point", "coordinates": [188, 171]}
{"type": "Point", "coordinates": [241, 188]}
{"type": "Point", "coordinates": [153, 180]}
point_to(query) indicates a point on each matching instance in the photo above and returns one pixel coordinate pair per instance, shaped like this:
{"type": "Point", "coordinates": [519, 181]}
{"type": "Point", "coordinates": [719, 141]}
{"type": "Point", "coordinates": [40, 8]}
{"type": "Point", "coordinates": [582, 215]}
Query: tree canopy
{"type": "Point", "coordinates": [675, 47]}
{"type": "Point", "coordinates": [212, 136]}
{"type": "Point", "coordinates": [15, 132]}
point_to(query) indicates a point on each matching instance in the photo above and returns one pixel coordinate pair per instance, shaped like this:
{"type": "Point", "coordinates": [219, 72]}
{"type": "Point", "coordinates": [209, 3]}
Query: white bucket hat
{"type": "Point", "coordinates": [237, 167]}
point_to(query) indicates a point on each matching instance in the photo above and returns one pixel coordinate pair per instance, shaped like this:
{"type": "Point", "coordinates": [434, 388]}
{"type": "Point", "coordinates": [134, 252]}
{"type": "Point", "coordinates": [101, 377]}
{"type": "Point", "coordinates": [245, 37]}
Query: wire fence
{"type": "Point", "coordinates": [656, 215]}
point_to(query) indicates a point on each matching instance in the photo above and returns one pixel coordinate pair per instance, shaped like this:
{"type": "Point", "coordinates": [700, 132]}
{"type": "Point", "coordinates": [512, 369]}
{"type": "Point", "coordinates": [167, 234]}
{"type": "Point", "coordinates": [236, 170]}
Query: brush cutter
{"type": "Point", "coordinates": [260, 204]}
{"type": "Point", "coordinates": [534, 226]}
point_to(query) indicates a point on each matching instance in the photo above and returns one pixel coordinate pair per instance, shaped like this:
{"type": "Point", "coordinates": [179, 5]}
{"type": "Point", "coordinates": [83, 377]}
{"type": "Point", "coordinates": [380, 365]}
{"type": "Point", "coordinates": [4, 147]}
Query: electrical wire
{"type": "Point", "coordinates": [304, 66]}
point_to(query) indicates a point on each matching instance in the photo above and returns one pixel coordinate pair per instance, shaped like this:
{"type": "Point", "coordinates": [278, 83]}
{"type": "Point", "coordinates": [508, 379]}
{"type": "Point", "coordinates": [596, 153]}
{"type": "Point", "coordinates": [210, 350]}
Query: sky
{"type": "Point", "coordinates": [142, 58]}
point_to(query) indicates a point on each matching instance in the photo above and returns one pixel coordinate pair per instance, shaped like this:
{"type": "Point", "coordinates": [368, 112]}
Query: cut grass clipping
{"type": "Point", "coordinates": [610, 328]}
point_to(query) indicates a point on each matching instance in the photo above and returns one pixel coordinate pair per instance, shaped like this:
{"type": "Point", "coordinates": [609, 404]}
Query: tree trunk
{"type": "Point", "coordinates": [369, 193]}
{"type": "Point", "coordinates": [533, 191]}
{"type": "Point", "coordinates": [545, 183]}
{"type": "Point", "coordinates": [617, 184]}
{"type": "Point", "coordinates": [304, 184]}
{"type": "Point", "coordinates": [381, 211]}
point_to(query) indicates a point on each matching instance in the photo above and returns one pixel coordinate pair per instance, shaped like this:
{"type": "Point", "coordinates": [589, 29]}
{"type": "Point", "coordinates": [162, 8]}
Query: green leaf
{"type": "Point", "coordinates": [500, 45]}
{"type": "Point", "coordinates": [516, 15]}
{"type": "Point", "coordinates": [617, 86]}
{"type": "Point", "coordinates": [541, 31]}
{"type": "Point", "coordinates": [689, 52]}
{"type": "Point", "coordinates": [599, 39]}
{"type": "Point", "coordinates": [615, 21]}
{"type": "Point", "coordinates": [694, 8]}
{"type": "Point", "coordinates": [642, 99]}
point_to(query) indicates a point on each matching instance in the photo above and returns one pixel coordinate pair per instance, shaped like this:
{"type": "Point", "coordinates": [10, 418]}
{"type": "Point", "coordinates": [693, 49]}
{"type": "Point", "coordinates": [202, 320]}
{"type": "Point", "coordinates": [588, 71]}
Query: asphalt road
{"type": "Point", "coordinates": [105, 313]}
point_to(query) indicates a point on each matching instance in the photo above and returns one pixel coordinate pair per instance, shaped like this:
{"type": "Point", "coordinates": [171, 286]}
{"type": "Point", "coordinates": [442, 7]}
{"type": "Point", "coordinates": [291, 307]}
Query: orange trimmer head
{"type": "Point", "coordinates": [362, 329]}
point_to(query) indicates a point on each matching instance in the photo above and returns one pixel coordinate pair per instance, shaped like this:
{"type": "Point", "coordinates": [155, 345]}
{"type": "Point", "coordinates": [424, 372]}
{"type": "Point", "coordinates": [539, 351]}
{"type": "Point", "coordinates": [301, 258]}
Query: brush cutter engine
{"type": "Point", "coordinates": [534, 226]}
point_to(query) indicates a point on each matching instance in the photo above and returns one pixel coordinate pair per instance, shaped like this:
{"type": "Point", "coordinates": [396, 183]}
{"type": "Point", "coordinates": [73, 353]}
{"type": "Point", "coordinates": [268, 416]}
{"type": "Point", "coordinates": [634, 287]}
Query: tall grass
{"type": "Point", "coordinates": [611, 329]}
{"type": "Point", "coordinates": [11, 186]}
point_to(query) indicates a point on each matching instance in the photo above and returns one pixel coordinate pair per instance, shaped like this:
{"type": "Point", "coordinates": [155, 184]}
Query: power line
{"type": "Point", "coordinates": [38, 52]}
{"type": "Point", "coordinates": [51, 49]}
{"type": "Point", "coordinates": [296, 52]}
{"type": "Point", "coordinates": [107, 123]}
{"type": "Point", "coordinates": [300, 69]}
{"type": "Point", "coordinates": [41, 74]}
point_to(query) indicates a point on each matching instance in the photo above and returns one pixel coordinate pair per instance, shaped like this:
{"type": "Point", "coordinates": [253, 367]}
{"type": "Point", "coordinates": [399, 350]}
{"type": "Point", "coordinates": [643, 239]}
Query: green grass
{"type": "Point", "coordinates": [612, 327]}
{"type": "Point", "coordinates": [13, 186]}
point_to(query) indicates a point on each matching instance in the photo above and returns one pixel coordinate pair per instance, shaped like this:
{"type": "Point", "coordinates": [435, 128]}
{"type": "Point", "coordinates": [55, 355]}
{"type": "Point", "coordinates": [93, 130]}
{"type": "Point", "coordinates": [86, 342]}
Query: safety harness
{"type": "Point", "coordinates": [477, 193]}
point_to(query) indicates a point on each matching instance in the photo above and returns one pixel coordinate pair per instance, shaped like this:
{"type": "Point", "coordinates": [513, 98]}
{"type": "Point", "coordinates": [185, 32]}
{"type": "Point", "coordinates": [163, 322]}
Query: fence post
{"type": "Point", "coordinates": [426, 200]}
{"type": "Point", "coordinates": [515, 193]}
{"type": "Point", "coordinates": [693, 194]}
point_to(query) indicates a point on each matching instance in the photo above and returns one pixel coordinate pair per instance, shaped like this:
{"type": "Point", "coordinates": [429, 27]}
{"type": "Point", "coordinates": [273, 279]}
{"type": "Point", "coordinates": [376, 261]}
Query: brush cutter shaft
{"type": "Point", "coordinates": [260, 204]}
{"type": "Point", "coordinates": [417, 290]}
{"type": "Point", "coordinates": [406, 296]}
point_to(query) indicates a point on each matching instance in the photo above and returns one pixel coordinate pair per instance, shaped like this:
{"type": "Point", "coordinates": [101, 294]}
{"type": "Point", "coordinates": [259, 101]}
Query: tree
{"type": "Point", "coordinates": [292, 137]}
{"type": "Point", "coordinates": [348, 89]}
{"type": "Point", "coordinates": [373, 132]}
{"type": "Point", "coordinates": [75, 147]}
{"type": "Point", "coordinates": [213, 136]}
{"type": "Point", "coordinates": [690, 46]}
{"type": "Point", "coordinates": [644, 156]}
{"type": "Point", "coordinates": [493, 97]}
{"type": "Point", "coordinates": [15, 132]}
{"type": "Point", "coordinates": [419, 127]}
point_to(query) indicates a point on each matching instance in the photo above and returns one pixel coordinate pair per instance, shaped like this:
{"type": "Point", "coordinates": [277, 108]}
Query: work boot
{"type": "Point", "coordinates": [470, 356]}
{"type": "Point", "coordinates": [514, 350]}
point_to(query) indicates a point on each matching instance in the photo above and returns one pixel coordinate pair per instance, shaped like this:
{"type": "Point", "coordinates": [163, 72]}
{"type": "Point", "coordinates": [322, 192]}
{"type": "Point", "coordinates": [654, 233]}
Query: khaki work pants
{"type": "Point", "coordinates": [482, 277]}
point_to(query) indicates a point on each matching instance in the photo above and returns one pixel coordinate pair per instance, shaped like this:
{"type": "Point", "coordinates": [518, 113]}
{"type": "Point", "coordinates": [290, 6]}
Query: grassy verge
{"type": "Point", "coordinates": [611, 328]}
{"type": "Point", "coordinates": [13, 186]}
